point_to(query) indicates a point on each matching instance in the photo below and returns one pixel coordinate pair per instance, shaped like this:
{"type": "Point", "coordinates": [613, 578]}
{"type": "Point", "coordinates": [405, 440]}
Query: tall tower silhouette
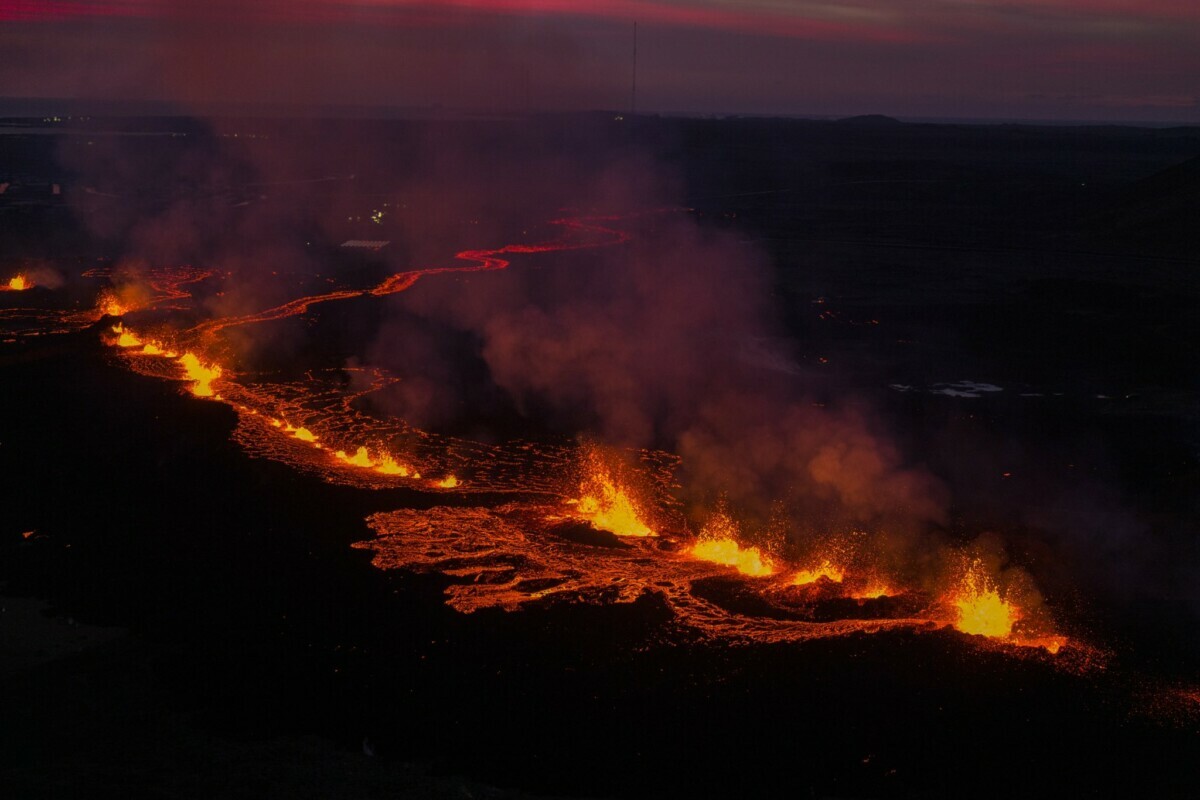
{"type": "Point", "coordinates": [633, 88]}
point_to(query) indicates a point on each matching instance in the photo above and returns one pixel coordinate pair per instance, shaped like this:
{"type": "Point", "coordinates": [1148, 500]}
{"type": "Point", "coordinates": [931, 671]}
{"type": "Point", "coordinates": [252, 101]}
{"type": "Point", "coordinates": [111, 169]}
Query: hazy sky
{"type": "Point", "coordinates": [1057, 59]}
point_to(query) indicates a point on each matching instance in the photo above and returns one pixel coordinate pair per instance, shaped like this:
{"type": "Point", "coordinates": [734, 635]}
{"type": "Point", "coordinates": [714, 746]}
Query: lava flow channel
{"type": "Point", "coordinates": [509, 556]}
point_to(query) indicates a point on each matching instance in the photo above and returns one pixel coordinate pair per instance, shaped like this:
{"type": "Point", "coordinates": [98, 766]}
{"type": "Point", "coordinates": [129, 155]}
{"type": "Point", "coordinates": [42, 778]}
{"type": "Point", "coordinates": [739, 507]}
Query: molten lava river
{"type": "Point", "coordinates": [531, 522]}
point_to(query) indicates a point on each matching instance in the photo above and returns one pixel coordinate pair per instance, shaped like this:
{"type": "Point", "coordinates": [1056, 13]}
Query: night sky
{"type": "Point", "coordinates": [1134, 60]}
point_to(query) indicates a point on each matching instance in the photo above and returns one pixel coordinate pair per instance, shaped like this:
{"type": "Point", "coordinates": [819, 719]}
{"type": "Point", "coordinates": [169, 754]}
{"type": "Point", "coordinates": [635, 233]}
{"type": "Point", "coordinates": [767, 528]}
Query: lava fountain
{"type": "Point", "coordinates": [605, 501]}
{"type": "Point", "coordinates": [719, 543]}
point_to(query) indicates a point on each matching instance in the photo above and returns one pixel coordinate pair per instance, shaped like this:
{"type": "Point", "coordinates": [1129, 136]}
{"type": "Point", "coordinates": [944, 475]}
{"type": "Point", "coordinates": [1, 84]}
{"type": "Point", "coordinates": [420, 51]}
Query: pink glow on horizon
{"type": "Point", "coordinates": [723, 16]}
{"type": "Point", "coordinates": [914, 57]}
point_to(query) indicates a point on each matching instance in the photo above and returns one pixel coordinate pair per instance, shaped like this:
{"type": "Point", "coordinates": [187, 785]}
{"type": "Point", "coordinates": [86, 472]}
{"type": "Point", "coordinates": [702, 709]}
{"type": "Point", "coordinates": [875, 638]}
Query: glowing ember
{"type": "Point", "coordinates": [719, 544]}
{"type": "Point", "coordinates": [980, 609]}
{"type": "Point", "coordinates": [202, 375]}
{"type": "Point", "coordinates": [606, 504]}
{"type": "Point", "coordinates": [19, 283]}
{"type": "Point", "coordinates": [826, 569]}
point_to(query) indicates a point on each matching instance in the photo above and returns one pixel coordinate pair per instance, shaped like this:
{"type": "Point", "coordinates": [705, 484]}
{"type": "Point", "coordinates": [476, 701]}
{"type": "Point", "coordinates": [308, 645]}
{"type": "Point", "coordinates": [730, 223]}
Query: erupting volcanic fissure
{"type": "Point", "coordinates": [581, 523]}
{"type": "Point", "coordinates": [605, 502]}
{"type": "Point", "coordinates": [719, 543]}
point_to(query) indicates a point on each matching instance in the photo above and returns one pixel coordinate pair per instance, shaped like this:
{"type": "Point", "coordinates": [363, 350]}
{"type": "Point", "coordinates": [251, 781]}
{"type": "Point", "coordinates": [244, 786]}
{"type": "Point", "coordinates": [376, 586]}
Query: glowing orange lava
{"type": "Point", "coordinates": [303, 434]}
{"type": "Point", "coordinates": [606, 503]}
{"type": "Point", "coordinates": [126, 338]}
{"type": "Point", "coordinates": [19, 283]}
{"type": "Point", "coordinates": [381, 462]}
{"type": "Point", "coordinates": [980, 608]}
{"type": "Point", "coordinates": [201, 374]}
{"type": "Point", "coordinates": [718, 543]}
{"type": "Point", "coordinates": [389, 466]}
{"type": "Point", "coordinates": [361, 458]}
{"type": "Point", "coordinates": [108, 303]}
{"type": "Point", "coordinates": [826, 569]}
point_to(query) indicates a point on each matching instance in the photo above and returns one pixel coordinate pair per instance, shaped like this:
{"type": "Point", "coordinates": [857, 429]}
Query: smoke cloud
{"type": "Point", "coordinates": [671, 339]}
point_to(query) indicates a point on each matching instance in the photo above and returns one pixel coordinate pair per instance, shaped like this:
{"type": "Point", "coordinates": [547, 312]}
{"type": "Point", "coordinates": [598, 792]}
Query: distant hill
{"type": "Point", "coordinates": [870, 121]}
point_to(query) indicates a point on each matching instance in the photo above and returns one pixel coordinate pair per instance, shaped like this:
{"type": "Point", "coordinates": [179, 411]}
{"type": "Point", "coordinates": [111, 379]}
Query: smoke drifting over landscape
{"type": "Point", "coordinates": [671, 339]}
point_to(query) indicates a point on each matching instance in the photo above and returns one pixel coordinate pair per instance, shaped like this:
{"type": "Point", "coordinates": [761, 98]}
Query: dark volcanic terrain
{"type": "Point", "coordinates": [1017, 304]}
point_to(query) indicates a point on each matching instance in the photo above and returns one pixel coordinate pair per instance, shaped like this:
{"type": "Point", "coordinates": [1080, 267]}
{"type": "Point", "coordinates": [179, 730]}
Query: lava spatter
{"type": "Point", "coordinates": [719, 542]}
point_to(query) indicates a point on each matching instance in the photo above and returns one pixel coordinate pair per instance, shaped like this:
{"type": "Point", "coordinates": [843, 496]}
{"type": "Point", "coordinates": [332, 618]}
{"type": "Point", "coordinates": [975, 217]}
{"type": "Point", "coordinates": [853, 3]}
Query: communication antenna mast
{"type": "Point", "coordinates": [633, 89]}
